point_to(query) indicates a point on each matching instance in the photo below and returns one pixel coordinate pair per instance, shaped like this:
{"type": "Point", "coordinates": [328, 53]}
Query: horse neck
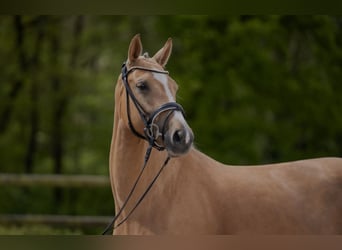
{"type": "Point", "coordinates": [126, 160]}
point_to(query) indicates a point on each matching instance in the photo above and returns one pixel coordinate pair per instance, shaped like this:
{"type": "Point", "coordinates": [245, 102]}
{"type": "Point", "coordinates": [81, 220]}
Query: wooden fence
{"type": "Point", "coordinates": [54, 181]}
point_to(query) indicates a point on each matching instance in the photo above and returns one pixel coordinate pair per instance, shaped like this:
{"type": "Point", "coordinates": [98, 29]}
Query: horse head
{"type": "Point", "coordinates": [150, 109]}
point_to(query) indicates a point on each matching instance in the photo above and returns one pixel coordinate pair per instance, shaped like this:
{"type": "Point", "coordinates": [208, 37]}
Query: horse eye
{"type": "Point", "coordinates": [142, 86]}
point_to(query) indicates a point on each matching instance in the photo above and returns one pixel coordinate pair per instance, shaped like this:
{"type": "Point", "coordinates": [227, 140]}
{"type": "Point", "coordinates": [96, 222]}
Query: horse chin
{"type": "Point", "coordinates": [173, 154]}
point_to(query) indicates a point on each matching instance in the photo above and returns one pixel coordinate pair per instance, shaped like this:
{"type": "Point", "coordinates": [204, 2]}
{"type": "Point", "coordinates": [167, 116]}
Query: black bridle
{"type": "Point", "coordinates": [151, 130]}
{"type": "Point", "coordinates": [151, 134]}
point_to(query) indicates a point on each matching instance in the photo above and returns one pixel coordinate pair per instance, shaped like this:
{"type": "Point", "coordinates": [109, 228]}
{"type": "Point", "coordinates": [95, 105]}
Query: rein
{"type": "Point", "coordinates": [109, 229]}
{"type": "Point", "coordinates": [151, 134]}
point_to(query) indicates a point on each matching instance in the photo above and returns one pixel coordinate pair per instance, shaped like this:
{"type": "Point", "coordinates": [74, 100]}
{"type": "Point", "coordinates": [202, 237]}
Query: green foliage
{"type": "Point", "coordinates": [260, 89]}
{"type": "Point", "coordinates": [256, 89]}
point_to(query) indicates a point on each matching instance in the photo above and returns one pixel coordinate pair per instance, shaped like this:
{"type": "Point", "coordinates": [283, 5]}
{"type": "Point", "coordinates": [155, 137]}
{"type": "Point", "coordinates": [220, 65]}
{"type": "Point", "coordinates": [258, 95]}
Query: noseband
{"type": "Point", "coordinates": [151, 130]}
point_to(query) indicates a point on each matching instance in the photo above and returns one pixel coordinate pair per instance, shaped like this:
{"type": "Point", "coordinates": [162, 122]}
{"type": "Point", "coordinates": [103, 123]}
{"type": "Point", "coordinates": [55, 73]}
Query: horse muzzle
{"type": "Point", "coordinates": [178, 139]}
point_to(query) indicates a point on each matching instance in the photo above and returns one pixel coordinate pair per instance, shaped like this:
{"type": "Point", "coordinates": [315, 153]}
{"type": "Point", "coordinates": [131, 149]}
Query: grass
{"type": "Point", "coordinates": [38, 230]}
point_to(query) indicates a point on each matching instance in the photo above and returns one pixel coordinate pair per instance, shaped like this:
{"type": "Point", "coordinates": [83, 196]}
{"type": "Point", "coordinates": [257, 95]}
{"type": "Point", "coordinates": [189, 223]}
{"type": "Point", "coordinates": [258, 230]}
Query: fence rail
{"type": "Point", "coordinates": [53, 180]}
{"type": "Point", "coordinates": [56, 180]}
{"type": "Point", "coordinates": [55, 220]}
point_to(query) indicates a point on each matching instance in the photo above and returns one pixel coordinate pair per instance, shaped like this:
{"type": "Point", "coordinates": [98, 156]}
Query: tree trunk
{"type": "Point", "coordinates": [34, 97]}
{"type": "Point", "coordinates": [6, 112]}
{"type": "Point", "coordinates": [61, 100]}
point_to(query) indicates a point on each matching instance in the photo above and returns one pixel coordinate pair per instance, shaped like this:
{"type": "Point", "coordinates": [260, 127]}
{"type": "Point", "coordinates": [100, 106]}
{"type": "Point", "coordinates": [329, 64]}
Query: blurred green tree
{"type": "Point", "coordinates": [256, 89]}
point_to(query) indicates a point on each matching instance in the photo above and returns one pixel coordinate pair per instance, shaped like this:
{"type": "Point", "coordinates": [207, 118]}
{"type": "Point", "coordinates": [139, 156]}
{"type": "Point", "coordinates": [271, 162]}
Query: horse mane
{"type": "Point", "coordinates": [145, 55]}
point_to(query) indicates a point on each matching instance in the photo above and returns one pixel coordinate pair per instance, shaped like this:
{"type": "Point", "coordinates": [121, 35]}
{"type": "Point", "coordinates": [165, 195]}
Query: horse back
{"type": "Point", "coordinates": [303, 197]}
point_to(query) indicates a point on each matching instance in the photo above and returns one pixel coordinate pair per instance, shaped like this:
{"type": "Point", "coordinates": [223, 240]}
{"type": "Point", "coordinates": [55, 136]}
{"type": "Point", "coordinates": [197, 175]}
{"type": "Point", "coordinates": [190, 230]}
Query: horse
{"type": "Point", "coordinates": [195, 194]}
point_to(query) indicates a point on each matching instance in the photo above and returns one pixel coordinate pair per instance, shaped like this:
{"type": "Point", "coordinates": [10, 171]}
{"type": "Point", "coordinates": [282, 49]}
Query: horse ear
{"type": "Point", "coordinates": [162, 56]}
{"type": "Point", "coordinates": [135, 48]}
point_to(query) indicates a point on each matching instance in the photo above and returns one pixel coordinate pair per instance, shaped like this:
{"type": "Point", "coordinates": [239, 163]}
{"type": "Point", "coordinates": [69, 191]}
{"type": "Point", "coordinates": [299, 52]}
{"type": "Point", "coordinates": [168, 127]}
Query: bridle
{"type": "Point", "coordinates": [151, 134]}
{"type": "Point", "coordinates": [151, 130]}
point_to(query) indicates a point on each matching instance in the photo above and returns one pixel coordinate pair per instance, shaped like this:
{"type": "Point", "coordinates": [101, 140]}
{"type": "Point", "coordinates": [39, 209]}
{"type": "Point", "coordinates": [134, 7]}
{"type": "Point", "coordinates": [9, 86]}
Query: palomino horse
{"type": "Point", "coordinates": [196, 194]}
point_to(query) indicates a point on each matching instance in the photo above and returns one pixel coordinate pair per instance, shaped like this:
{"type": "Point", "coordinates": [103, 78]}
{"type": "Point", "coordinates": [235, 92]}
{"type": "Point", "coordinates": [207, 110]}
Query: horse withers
{"type": "Point", "coordinates": [196, 194]}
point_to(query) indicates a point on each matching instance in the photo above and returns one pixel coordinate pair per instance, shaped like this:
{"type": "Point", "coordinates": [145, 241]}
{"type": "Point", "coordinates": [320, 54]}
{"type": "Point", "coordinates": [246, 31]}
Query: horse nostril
{"type": "Point", "coordinates": [178, 136]}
